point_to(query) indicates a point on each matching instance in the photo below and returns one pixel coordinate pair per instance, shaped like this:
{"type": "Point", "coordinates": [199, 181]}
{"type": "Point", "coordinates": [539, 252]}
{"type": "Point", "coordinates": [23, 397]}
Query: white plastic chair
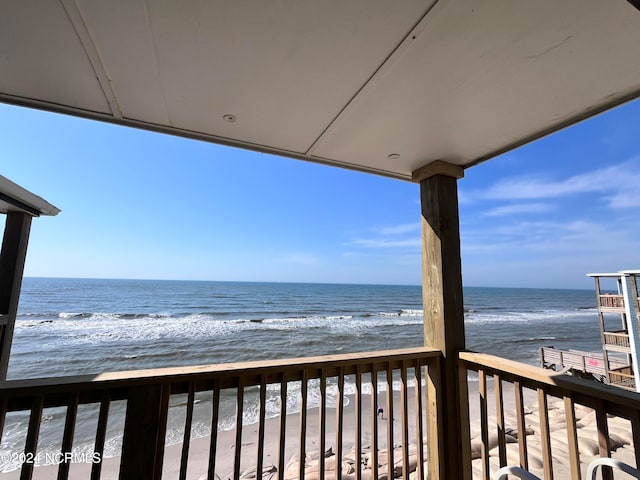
{"type": "Point", "coordinates": [592, 470]}
{"type": "Point", "coordinates": [519, 472]}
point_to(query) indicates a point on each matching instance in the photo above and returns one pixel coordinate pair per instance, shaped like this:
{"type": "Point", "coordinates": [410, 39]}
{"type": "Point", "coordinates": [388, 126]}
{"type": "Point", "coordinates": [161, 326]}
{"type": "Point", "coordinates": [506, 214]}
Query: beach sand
{"type": "Point", "coordinates": [620, 433]}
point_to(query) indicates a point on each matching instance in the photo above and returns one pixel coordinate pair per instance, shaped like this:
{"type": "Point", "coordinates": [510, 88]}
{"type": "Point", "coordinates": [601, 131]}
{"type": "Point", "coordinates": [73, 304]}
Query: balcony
{"type": "Point", "coordinates": [553, 425]}
{"type": "Point", "coordinates": [611, 303]}
{"type": "Point", "coordinates": [155, 397]}
{"type": "Point", "coordinates": [617, 340]}
{"type": "Point", "coordinates": [568, 422]}
{"type": "Point", "coordinates": [387, 90]}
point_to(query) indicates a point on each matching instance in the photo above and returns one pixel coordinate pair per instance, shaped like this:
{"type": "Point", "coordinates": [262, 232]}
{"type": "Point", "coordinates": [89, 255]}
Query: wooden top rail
{"type": "Point", "coordinates": [56, 390]}
{"type": "Point", "coordinates": [619, 402]}
{"type": "Point", "coordinates": [618, 333]}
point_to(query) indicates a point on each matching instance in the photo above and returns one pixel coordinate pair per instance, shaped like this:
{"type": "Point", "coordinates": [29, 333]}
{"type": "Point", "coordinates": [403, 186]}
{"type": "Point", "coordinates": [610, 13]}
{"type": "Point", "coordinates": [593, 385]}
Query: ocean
{"type": "Point", "coordinates": [90, 326]}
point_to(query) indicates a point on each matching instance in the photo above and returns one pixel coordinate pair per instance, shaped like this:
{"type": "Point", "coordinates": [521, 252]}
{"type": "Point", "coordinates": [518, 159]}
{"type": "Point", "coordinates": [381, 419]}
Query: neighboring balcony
{"type": "Point", "coordinates": [617, 341]}
{"type": "Point", "coordinates": [611, 303]}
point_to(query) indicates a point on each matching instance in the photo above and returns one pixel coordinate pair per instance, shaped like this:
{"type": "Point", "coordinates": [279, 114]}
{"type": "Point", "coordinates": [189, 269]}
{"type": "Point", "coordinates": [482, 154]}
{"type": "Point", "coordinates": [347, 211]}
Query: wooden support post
{"type": "Point", "coordinates": [630, 293]}
{"type": "Point", "coordinates": [603, 340]}
{"type": "Point", "coordinates": [144, 432]}
{"type": "Point", "coordinates": [12, 257]}
{"type": "Point", "coordinates": [444, 318]}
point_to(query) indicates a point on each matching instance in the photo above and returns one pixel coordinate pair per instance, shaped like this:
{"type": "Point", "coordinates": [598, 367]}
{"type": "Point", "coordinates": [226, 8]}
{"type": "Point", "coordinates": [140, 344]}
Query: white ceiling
{"type": "Point", "coordinates": [339, 82]}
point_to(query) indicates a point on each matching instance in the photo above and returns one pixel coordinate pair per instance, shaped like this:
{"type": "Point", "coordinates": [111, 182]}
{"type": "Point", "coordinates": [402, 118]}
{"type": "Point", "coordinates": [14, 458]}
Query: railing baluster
{"type": "Point", "coordinates": [322, 420]}
{"type": "Point", "coordinates": [101, 433]}
{"type": "Point", "coordinates": [522, 429]}
{"type": "Point", "coordinates": [239, 415]}
{"type": "Point", "coordinates": [634, 418]}
{"type": "Point", "coordinates": [31, 446]}
{"type": "Point", "coordinates": [419, 423]}
{"type": "Point", "coordinates": [604, 445]}
{"type": "Point", "coordinates": [572, 437]}
{"type": "Point", "coordinates": [213, 441]}
{"type": "Point", "coordinates": [3, 415]}
{"type": "Point", "coordinates": [186, 439]}
{"type": "Point", "coordinates": [545, 434]}
{"type": "Point", "coordinates": [339, 421]}
{"type": "Point", "coordinates": [484, 427]}
{"type": "Point", "coordinates": [374, 422]}
{"type": "Point", "coordinates": [390, 461]}
{"type": "Point", "coordinates": [165, 395]}
{"type": "Point", "coordinates": [434, 419]}
{"type": "Point", "coordinates": [261, 425]}
{"type": "Point", "coordinates": [303, 423]}
{"type": "Point", "coordinates": [358, 414]}
{"type": "Point", "coordinates": [67, 436]}
{"type": "Point", "coordinates": [463, 422]}
{"type": "Point", "coordinates": [283, 426]}
{"type": "Point", "coordinates": [403, 421]}
{"type": "Point", "coordinates": [502, 443]}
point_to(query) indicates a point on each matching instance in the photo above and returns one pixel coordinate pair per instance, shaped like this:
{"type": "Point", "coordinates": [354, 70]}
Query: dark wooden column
{"type": "Point", "coordinates": [444, 317]}
{"type": "Point", "coordinates": [12, 257]}
{"type": "Point", "coordinates": [144, 432]}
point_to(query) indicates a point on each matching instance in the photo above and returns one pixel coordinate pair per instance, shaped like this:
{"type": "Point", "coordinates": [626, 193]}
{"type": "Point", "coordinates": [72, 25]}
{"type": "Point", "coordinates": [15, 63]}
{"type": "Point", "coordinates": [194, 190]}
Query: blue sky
{"type": "Point", "coordinates": [137, 204]}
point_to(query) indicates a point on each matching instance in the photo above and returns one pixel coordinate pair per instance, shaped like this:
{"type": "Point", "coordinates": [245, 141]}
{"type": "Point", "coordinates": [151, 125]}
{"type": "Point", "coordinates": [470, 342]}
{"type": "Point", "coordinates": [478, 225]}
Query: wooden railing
{"type": "Point", "coordinates": [147, 396]}
{"type": "Point", "coordinates": [611, 303]}
{"type": "Point", "coordinates": [622, 378]}
{"type": "Point", "coordinates": [619, 339]}
{"type": "Point", "coordinates": [548, 423]}
{"type": "Point", "coordinates": [561, 360]}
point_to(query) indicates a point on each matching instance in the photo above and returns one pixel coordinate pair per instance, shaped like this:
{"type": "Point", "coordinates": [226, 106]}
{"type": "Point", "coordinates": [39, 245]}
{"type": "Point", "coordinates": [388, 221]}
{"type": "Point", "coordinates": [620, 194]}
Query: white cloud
{"type": "Point", "coordinates": [399, 229]}
{"type": "Point", "coordinates": [625, 199]}
{"type": "Point", "coordinates": [617, 184]}
{"type": "Point", "coordinates": [517, 209]}
{"type": "Point", "coordinates": [463, 197]}
{"type": "Point", "coordinates": [535, 240]}
{"type": "Point", "coordinates": [387, 243]}
{"type": "Point", "coordinates": [521, 188]}
{"type": "Point", "coordinates": [402, 236]}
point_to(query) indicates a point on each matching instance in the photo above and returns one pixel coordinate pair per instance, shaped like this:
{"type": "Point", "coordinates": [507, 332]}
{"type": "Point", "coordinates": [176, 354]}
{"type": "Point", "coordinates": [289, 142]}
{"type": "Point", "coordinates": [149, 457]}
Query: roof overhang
{"type": "Point", "coordinates": [619, 274]}
{"type": "Point", "coordinates": [14, 198]}
{"type": "Point", "coordinates": [376, 85]}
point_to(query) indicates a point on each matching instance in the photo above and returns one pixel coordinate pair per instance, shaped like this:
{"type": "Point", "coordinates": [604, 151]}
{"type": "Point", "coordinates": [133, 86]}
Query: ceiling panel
{"type": "Point", "coordinates": [283, 69]}
{"type": "Point", "coordinates": [122, 35]}
{"type": "Point", "coordinates": [483, 76]}
{"type": "Point", "coordinates": [344, 83]}
{"type": "Point", "coordinates": [41, 57]}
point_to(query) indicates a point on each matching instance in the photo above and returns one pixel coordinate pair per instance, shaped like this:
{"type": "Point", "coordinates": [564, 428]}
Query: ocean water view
{"type": "Point", "coordinates": [86, 326]}
{"type": "Point", "coordinates": [91, 326]}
